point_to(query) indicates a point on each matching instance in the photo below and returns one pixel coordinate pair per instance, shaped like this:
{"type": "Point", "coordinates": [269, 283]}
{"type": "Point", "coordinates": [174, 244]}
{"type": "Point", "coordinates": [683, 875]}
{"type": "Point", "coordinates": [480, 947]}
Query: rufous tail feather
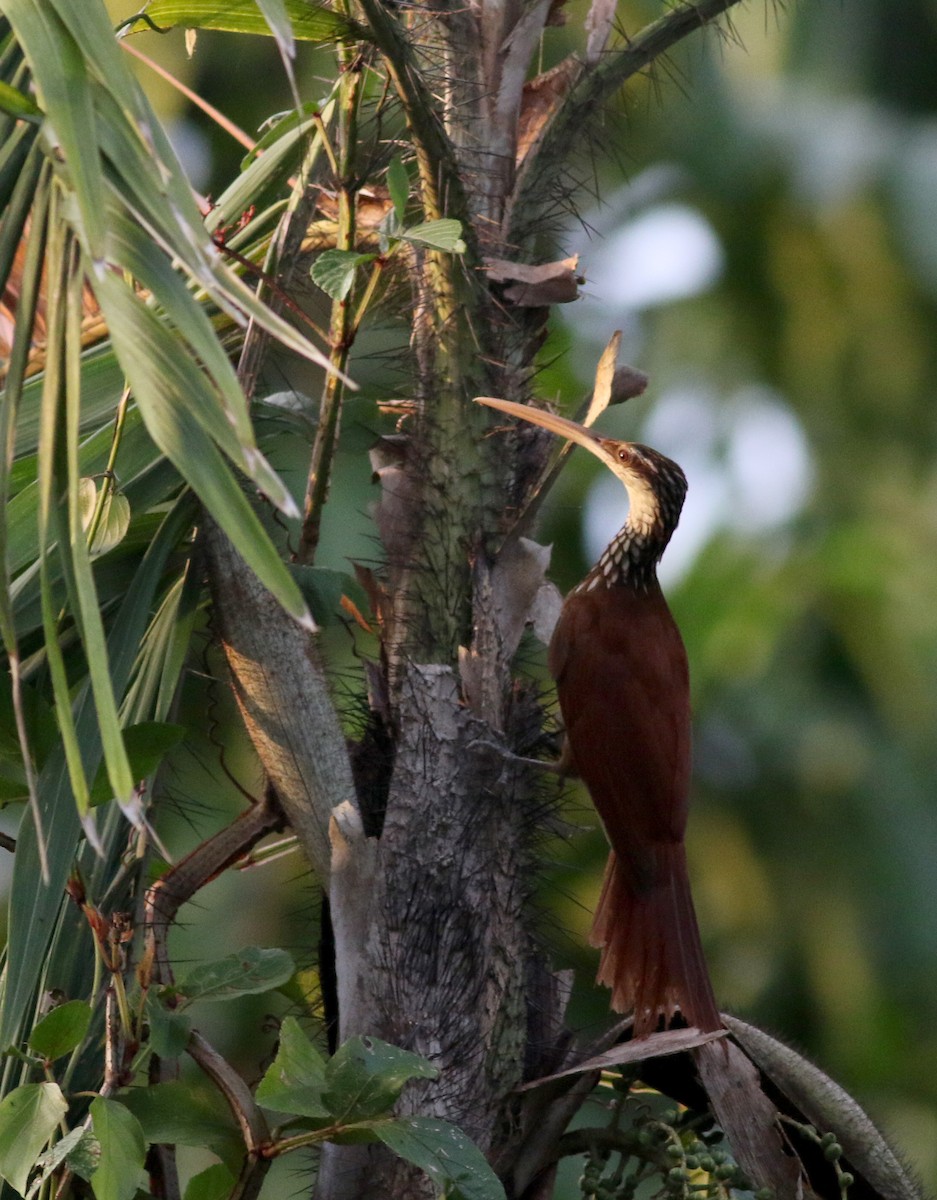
{"type": "Point", "coordinates": [652, 958]}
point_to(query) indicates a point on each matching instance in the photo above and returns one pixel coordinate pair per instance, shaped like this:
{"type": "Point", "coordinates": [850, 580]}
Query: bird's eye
{"type": "Point", "coordinates": [623, 454]}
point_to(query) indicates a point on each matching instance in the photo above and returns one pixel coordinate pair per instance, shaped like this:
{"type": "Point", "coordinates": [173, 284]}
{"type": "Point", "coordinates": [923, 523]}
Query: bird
{"type": "Point", "coordinates": [622, 680]}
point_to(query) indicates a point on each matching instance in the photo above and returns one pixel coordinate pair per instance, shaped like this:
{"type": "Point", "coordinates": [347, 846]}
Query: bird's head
{"type": "Point", "coordinates": [656, 484]}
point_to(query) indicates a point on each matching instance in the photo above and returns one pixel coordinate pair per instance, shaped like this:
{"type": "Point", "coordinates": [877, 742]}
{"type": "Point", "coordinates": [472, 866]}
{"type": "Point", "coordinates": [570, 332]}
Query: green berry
{"type": "Point", "coordinates": [707, 1163]}
{"type": "Point", "coordinates": [832, 1151]}
{"type": "Point", "coordinates": [846, 1180]}
{"type": "Point", "coordinates": [691, 1162]}
{"type": "Point", "coordinates": [674, 1151]}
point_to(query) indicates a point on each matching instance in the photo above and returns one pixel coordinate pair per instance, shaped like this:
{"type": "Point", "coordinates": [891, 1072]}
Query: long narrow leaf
{"type": "Point", "coordinates": [49, 451]}
{"type": "Point", "coordinates": [65, 96]}
{"type": "Point", "coordinates": [230, 425]}
{"type": "Point", "coordinates": [30, 282]}
{"type": "Point", "coordinates": [310, 22]}
{"type": "Point", "coordinates": [34, 906]}
{"type": "Point", "coordinates": [174, 426]}
{"type": "Point", "coordinates": [92, 627]}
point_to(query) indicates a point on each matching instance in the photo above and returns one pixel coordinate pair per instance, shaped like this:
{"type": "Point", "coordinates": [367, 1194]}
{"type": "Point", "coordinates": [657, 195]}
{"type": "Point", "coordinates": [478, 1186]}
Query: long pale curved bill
{"type": "Point", "coordinates": [559, 425]}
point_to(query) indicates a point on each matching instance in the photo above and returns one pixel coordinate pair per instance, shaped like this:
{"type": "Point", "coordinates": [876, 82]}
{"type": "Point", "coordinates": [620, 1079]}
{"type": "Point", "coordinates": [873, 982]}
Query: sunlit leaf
{"type": "Point", "coordinates": [444, 234]}
{"type": "Point", "coordinates": [18, 104]}
{"type": "Point", "coordinates": [310, 22]}
{"type": "Point", "coordinates": [28, 1117]}
{"type": "Point", "coordinates": [65, 94]}
{"type": "Point", "coordinates": [114, 519]}
{"type": "Point", "coordinates": [33, 906]}
{"type": "Point", "coordinates": [334, 271]}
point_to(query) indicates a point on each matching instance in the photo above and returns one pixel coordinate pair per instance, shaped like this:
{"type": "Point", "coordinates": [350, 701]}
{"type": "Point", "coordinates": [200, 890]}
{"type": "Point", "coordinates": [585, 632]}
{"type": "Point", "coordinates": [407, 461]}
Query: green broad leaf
{"type": "Point", "coordinates": [323, 589]}
{"type": "Point", "coordinates": [123, 1149]}
{"type": "Point", "coordinates": [295, 1080]}
{"type": "Point", "coordinates": [169, 1031]}
{"type": "Point", "coordinates": [146, 744]}
{"type": "Point", "coordinates": [18, 104]}
{"type": "Point", "coordinates": [398, 185]}
{"type": "Point", "coordinates": [250, 971]}
{"type": "Point", "coordinates": [180, 1114]}
{"type": "Point", "coordinates": [61, 1030]}
{"type": "Point", "coordinates": [334, 271]}
{"type": "Point", "coordinates": [309, 21]}
{"type": "Point", "coordinates": [214, 1183]}
{"type": "Point", "coordinates": [29, 1115]}
{"type": "Point", "coordinates": [365, 1076]}
{"type": "Point", "coordinates": [449, 1158]}
{"type": "Point", "coordinates": [114, 521]}
{"type": "Point", "coordinates": [85, 1156]}
{"type": "Point", "coordinates": [79, 1150]}
{"type": "Point", "coordinates": [445, 234]}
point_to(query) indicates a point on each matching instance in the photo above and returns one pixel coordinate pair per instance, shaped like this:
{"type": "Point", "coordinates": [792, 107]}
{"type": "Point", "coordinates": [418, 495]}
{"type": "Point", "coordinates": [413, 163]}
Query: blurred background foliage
{"type": "Point", "coordinates": [767, 241]}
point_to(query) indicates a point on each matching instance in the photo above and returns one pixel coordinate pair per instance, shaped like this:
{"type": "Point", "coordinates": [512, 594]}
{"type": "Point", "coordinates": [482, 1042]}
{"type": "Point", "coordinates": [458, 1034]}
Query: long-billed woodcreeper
{"type": "Point", "coordinates": [623, 686]}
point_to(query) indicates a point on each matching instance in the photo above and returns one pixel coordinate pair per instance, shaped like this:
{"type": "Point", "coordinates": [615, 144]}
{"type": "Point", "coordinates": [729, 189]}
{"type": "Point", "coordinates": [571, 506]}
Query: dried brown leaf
{"type": "Point", "coordinates": [671, 1041]}
{"type": "Point", "coordinates": [749, 1120]}
{"type": "Point", "coordinates": [829, 1108]}
{"type": "Point", "coordinates": [536, 285]}
{"type": "Point", "coordinates": [542, 97]}
{"type": "Point", "coordinates": [598, 26]}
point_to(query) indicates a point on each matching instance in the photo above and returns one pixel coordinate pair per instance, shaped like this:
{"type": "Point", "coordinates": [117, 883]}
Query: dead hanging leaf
{"type": "Point", "coordinates": [395, 508]}
{"type": "Point", "coordinates": [627, 383]}
{"type": "Point", "coordinates": [613, 384]}
{"type": "Point", "coordinates": [355, 612]}
{"type": "Point", "coordinates": [541, 99]}
{"type": "Point", "coordinates": [829, 1109]}
{"type": "Point", "coordinates": [671, 1041]}
{"type": "Point", "coordinates": [749, 1120]}
{"type": "Point", "coordinates": [505, 597]}
{"type": "Point", "coordinates": [545, 611]}
{"type": "Point", "coordinates": [93, 328]}
{"type": "Point", "coordinates": [536, 285]}
{"type": "Point", "coordinates": [556, 15]}
{"type": "Point", "coordinates": [518, 576]}
{"type": "Point", "coordinates": [598, 25]}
